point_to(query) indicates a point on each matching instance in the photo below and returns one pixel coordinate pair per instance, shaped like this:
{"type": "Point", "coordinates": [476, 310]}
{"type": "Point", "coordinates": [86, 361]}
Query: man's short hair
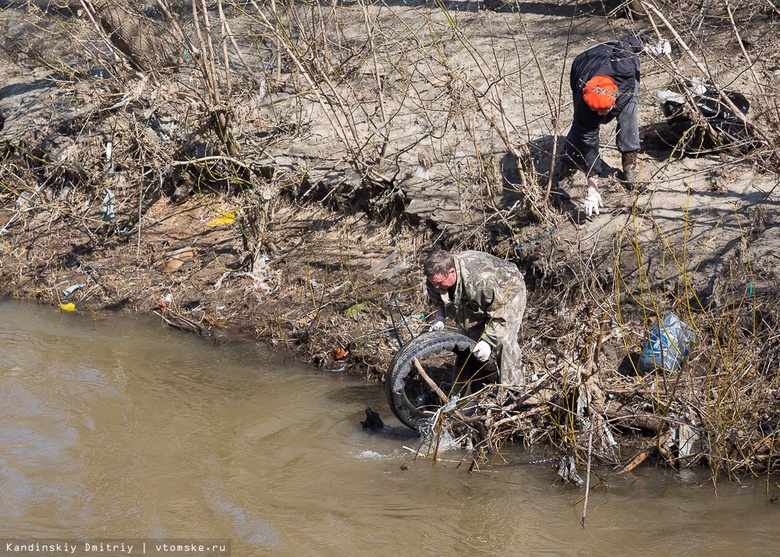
{"type": "Point", "coordinates": [439, 262]}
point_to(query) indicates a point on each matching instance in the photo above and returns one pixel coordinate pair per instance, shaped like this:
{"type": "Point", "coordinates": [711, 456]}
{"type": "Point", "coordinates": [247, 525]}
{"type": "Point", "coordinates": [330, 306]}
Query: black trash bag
{"type": "Point", "coordinates": [718, 114]}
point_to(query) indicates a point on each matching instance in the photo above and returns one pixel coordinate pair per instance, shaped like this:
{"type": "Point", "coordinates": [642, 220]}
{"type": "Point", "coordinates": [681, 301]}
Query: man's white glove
{"type": "Point", "coordinates": [593, 202]}
{"type": "Point", "coordinates": [481, 351]}
{"type": "Point", "coordinates": [437, 325]}
{"type": "Point", "coordinates": [661, 47]}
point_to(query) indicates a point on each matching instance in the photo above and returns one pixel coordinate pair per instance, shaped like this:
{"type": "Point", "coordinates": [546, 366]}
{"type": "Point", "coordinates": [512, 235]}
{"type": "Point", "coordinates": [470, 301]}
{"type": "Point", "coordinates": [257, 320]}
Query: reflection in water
{"type": "Point", "coordinates": [121, 428]}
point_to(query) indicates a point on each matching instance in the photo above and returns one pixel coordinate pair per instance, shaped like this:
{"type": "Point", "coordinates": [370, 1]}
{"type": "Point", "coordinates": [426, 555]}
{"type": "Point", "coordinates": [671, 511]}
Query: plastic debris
{"type": "Point", "coordinates": [109, 157]}
{"type": "Point", "coordinates": [451, 404]}
{"type": "Point", "coordinates": [107, 210]}
{"type": "Point", "coordinates": [708, 102]}
{"type": "Point", "coordinates": [668, 343]}
{"type": "Point", "coordinates": [71, 289]}
{"type": "Point", "coordinates": [567, 471]}
{"type": "Point", "coordinates": [687, 439]}
{"type": "Point", "coordinates": [165, 301]}
{"type": "Point", "coordinates": [70, 306]}
{"type": "Point", "coordinates": [225, 218]}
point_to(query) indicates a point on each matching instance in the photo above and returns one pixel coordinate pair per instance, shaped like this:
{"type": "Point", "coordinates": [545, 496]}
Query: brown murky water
{"type": "Point", "coordinates": [120, 428]}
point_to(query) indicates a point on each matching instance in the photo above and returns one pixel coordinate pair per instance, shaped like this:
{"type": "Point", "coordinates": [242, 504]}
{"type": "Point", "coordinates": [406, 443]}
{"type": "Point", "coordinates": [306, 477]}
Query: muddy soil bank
{"type": "Point", "coordinates": [293, 198]}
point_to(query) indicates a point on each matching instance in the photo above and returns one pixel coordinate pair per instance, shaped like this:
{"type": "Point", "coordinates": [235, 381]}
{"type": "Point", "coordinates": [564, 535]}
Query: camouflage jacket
{"type": "Point", "coordinates": [489, 293]}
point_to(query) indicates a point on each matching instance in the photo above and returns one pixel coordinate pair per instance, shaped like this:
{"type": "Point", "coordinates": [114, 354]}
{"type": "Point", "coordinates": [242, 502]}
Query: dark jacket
{"type": "Point", "coordinates": [617, 59]}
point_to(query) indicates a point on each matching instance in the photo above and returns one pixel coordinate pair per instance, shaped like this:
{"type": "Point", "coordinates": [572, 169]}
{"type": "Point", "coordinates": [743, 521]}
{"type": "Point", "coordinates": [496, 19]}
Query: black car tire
{"type": "Point", "coordinates": [403, 370]}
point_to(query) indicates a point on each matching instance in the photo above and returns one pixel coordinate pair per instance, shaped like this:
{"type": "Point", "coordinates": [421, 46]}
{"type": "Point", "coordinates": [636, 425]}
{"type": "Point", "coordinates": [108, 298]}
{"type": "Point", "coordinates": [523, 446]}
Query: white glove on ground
{"type": "Point", "coordinates": [481, 351]}
{"type": "Point", "coordinates": [437, 325]}
{"type": "Point", "coordinates": [592, 202]}
{"type": "Point", "coordinates": [662, 47]}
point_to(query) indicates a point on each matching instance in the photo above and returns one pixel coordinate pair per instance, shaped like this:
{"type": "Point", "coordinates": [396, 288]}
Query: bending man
{"type": "Point", "coordinates": [486, 297]}
{"type": "Point", "coordinates": [604, 84]}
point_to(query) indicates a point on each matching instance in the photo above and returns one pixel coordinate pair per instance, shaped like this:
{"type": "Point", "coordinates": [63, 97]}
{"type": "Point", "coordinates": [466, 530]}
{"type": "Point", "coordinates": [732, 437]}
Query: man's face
{"type": "Point", "coordinates": [442, 283]}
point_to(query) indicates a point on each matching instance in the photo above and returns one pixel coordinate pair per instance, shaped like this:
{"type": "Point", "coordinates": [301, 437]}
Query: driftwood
{"type": "Point", "coordinates": [642, 455]}
{"type": "Point", "coordinates": [619, 413]}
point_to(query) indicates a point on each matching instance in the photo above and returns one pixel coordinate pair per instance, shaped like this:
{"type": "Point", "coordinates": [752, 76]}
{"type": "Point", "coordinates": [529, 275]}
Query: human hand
{"type": "Point", "coordinates": [481, 351]}
{"type": "Point", "coordinates": [661, 47]}
{"type": "Point", "coordinates": [437, 325]}
{"type": "Point", "coordinates": [592, 202]}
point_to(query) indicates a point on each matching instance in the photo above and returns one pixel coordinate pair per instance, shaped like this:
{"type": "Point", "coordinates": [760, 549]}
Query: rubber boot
{"type": "Point", "coordinates": [630, 170]}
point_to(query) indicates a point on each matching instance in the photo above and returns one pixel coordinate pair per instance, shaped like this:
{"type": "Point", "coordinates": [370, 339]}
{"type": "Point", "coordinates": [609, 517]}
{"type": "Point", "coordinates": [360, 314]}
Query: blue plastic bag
{"type": "Point", "coordinates": [668, 344]}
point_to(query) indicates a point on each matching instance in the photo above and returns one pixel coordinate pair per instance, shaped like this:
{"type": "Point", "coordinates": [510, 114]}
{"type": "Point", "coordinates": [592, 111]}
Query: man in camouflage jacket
{"type": "Point", "coordinates": [486, 297]}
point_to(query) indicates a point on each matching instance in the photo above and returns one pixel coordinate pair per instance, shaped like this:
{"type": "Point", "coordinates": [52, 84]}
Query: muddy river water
{"type": "Point", "coordinates": [117, 428]}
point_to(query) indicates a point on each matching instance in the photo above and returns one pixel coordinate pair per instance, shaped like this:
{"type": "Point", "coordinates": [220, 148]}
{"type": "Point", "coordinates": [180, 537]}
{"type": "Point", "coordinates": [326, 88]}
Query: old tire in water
{"type": "Point", "coordinates": [440, 352]}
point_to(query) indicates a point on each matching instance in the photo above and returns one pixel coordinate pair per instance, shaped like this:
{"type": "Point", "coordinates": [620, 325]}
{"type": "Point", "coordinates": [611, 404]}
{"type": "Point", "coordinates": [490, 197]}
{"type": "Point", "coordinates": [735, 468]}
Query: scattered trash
{"type": "Point", "coordinates": [668, 344]}
{"type": "Point", "coordinates": [109, 157]}
{"type": "Point", "coordinates": [685, 440]}
{"type": "Point", "coordinates": [107, 211]}
{"type": "Point", "coordinates": [536, 241]}
{"type": "Point", "coordinates": [70, 306]}
{"type": "Point", "coordinates": [451, 404]}
{"type": "Point", "coordinates": [356, 309]}
{"type": "Point", "coordinates": [608, 435]}
{"type": "Point", "coordinates": [435, 439]}
{"type": "Point", "coordinates": [25, 203]}
{"type": "Point", "coordinates": [715, 111]}
{"type": "Point", "coordinates": [71, 289]}
{"type": "Point", "coordinates": [259, 280]}
{"type": "Point", "coordinates": [260, 266]}
{"type": "Point", "coordinates": [567, 471]}
{"type": "Point", "coordinates": [383, 271]}
{"type": "Point", "coordinates": [422, 173]}
{"type": "Point", "coordinates": [163, 303]}
{"type": "Point", "coordinates": [373, 420]}
{"type": "Point", "coordinates": [337, 353]}
{"type": "Point", "coordinates": [225, 218]}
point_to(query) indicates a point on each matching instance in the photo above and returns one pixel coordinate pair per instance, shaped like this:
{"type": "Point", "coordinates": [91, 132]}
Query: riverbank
{"type": "Point", "coordinates": [300, 214]}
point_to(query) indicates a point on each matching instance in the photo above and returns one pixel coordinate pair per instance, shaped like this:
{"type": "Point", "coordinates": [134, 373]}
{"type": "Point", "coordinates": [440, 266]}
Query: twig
{"type": "Point", "coordinates": [431, 383]}
{"type": "Point", "coordinates": [587, 477]}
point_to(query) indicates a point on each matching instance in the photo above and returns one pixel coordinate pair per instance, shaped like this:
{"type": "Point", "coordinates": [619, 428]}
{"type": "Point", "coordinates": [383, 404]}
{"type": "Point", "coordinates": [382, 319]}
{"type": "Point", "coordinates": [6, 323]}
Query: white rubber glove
{"type": "Point", "coordinates": [437, 325]}
{"type": "Point", "coordinates": [593, 202]}
{"type": "Point", "coordinates": [481, 351]}
{"type": "Point", "coordinates": [662, 47]}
